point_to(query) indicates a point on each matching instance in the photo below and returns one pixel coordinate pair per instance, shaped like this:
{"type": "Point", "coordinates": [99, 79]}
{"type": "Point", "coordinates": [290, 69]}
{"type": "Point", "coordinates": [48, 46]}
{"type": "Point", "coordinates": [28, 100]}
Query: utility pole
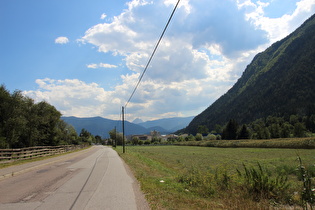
{"type": "Point", "coordinates": [123, 129]}
{"type": "Point", "coordinates": [115, 138]}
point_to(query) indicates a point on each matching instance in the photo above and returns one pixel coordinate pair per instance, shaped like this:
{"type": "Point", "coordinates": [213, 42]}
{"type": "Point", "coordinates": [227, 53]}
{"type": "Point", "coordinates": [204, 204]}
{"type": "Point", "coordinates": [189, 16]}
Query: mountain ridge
{"type": "Point", "coordinates": [101, 126]}
{"type": "Point", "coordinates": [279, 81]}
{"type": "Point", "coordinates": [171, 124]}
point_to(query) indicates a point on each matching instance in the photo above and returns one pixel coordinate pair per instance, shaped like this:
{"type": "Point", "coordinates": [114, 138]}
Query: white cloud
{"type": "Point", "coordinates": [92, 66]}
{"type": "Point", "coordinates": [277, 28]}
{"type": "Point", "coordinates": [106, 65]}
{"type": "Point", "coordinates": [74, 97]}
{"type": "Point", "coordinates": [61, 40]}
{"type": "Point", "coordinates": [101, 65]}
{"type": "Point", "coordinates": [205, 49]}
{"type": "Point", "coordinates": [178, 57]}
{"type": "Point", "coordinates": [78, 98]}
{"type": "Point", "coordinates": [103, 16]}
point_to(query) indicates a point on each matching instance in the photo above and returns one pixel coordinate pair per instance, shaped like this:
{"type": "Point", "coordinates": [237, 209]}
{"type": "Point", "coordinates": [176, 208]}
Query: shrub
{"type": "Point", "coordinates": [308, 195]}
{"type": "Point", "coordinates": [261, 185]}
{"type": "Point", "coordinates": [211, 137]}
{"type": "Point", "coordinates": [223, 180]}
{"type": "Point", "coordinates": [198, 137]}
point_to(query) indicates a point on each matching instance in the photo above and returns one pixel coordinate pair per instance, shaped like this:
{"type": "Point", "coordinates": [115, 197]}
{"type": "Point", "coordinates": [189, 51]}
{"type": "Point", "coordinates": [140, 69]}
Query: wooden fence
{"type": "Point", "coordinates": [8, 155]}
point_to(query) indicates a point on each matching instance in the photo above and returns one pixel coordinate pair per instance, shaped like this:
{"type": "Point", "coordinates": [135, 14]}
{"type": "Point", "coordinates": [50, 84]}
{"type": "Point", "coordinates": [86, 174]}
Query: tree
{"type": "Point", "coordinates": [24, 123]}
{"type": "Point", "coordinates": [275, 130]}
{"type": "Point", "coordinates": [48, 117]}
{"type": "Point", "coordinates": [116, 136]}
{"type": "Point", "coordinates": [202, 129]}
{"type": "Point", "coordinates": [266, 133]}
{"type": "Point", "coordinates": [244, 133]}
{"type": "Point", "coordinates": [14, 122]}
{"type": "Point", "coordinates": [31, 132]}
{"type": "Point", "coordinates": [98, 139]}
{"type": "Point", "coordinates": [230, 130]}
{"type": "Point", "coordinates": [86, 137]}
{"type": "Point", "coordinates": [286, 130]}
{"type": "Point", "coordinates": [190, 138]}
{"type": "Point", "coordinates": [299, 130]}
{"type": "Point", "coordinates": [218, 128]}
{"type": "Point", "coordinates": [135, 140]}
{"type": "Point", "coordinates": [310, 123]}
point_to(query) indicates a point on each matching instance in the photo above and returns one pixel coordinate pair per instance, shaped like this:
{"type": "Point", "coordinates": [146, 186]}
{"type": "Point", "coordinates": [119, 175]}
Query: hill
{"type": "Point", "coordinates": [279, 81]}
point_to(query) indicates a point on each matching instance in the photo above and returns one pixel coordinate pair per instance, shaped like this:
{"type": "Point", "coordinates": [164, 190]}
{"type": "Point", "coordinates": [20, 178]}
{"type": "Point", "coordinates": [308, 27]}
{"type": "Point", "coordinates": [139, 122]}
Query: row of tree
{"type": "Point", "coordinates": [24, 123]}
{"type": "Point", "coordinates": [266, 128]}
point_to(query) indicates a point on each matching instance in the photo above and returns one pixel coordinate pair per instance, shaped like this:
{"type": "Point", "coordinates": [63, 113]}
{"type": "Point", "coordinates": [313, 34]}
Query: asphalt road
{"type": "Point", "coordinates": [95, 178]}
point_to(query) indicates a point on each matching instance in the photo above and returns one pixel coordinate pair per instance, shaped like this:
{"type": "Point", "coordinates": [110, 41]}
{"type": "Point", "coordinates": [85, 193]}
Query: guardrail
{"type": "Point", "coordinates": [8, 155]}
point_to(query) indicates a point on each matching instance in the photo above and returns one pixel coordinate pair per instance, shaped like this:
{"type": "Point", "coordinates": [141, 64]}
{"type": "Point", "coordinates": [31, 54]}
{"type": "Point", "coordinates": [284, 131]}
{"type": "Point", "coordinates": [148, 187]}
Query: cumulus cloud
{"type": "Point", "coordinates": [78, 98]}
{"type": "Point", "coordinates": [100, 65]}
{"type": "Point", "coordinates": [277, 28]}
{"type": "Point", "coordinates": [61, 40]}
{"type": "Point", "coordinates": [204, 51]}
{"type": "Point", "coordinates": [103, 16]}
{"type": "Point", "coordinates": [182, 53]}
{"type": "Point", "coordinates": [74, 97]}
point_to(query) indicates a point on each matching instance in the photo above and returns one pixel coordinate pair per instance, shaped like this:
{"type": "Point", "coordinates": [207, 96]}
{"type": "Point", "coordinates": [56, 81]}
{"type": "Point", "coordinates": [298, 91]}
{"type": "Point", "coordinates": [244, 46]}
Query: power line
{"type": "Point", "coordinates": [156, 46]}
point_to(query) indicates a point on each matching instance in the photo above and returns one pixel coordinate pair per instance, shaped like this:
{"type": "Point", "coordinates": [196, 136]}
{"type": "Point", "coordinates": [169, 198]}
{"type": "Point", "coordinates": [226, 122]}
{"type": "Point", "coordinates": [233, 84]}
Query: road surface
{"type": "Point", "coordinates": [95, 178]}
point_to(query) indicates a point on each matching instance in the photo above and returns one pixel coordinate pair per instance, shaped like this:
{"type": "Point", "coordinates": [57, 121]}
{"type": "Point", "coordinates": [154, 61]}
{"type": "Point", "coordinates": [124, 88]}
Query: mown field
{"type": "Point", "coordinates": [190, 177]}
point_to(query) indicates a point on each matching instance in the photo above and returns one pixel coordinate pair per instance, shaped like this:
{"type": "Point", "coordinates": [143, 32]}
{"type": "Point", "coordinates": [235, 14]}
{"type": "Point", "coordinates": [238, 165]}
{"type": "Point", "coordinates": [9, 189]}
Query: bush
{"type": "Point", "coordinates": [308, 195]}
{"type": "Point", "coordinates": [261, 185]}
{"type": "Point", "coordinates": [198, 137]}
{"type": "Point", "coordinates": [211, 137]}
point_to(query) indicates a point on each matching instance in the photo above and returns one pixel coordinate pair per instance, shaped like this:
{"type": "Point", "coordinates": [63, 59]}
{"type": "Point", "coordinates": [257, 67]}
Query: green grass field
{"type": "Point", "coordinates": [186, 177]}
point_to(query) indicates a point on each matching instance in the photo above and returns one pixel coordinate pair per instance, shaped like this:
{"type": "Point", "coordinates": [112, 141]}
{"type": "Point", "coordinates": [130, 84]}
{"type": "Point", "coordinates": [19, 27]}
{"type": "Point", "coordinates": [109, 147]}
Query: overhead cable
{"type": "Point", "coordinates": [156, 46]}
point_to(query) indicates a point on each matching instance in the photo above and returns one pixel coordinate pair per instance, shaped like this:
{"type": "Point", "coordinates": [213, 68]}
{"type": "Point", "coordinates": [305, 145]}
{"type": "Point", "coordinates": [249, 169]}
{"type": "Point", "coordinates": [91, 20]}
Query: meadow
{"type": "Point", "coordinates": [190, 177]}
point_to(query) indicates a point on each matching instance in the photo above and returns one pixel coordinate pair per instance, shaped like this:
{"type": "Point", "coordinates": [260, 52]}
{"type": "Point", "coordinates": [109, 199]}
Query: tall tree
{"type": "Point", "coordinates": [203, 129]}
{"type": "Point", "coordinates": [230, 130]}
{"type": "Point", "coordinates": [48, 119]}
{"type": "Point", "coordinates": [244, 133]}
{"type": "Point", "coordinates": [299, 130]}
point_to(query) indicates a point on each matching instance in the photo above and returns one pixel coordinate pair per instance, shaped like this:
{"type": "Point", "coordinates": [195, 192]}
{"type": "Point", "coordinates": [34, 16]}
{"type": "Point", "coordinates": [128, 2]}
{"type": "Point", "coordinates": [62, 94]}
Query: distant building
{"type": "Point", "coordinates": [184, 135]}
{"type": "Point", "coordinates": [169, 136]}
{"type": "Point", "coordinates": [142, 137]}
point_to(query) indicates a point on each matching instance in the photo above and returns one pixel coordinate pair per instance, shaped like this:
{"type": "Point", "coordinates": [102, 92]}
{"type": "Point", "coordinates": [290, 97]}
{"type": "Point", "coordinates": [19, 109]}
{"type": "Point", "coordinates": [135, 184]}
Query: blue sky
{"type": "Point", "coordinates": [85, 57]}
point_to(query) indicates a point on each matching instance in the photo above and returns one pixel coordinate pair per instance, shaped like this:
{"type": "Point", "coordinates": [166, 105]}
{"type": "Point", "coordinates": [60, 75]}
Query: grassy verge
{"type": "Point", "coordinates": [20, 162]}
{"type": "Point", "coordinates": [176, 177]}
{"type": "Point", "coordinates": [292, 143]}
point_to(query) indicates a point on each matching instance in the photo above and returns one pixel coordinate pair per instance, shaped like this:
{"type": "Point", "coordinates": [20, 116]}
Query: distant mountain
{"type": "Point", "coordinates": [101, 126]}
{"type": "Point", "coordinates": [279, 81]}
{"type": "Point", "coordinates": [159, 129]}
{"type": "Point", "coordinates": [170, 125]}
{"type": "Point", "coordinates": [137, 121]}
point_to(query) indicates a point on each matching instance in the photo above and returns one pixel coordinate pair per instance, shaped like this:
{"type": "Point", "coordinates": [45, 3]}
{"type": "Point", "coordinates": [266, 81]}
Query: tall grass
{"type": "Point", "coordinates": [291, 143]}
{"type": "Point", "coordinates": [218, 178]}
{"type": "Point", "coordinates": [308, 192]}
{"type": "Point", "coordinates": [260, 184]}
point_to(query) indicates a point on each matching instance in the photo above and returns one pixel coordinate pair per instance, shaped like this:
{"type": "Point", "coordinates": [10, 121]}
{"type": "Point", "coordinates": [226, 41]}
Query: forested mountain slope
{"type": "Point", "coordinates": [279, 81]}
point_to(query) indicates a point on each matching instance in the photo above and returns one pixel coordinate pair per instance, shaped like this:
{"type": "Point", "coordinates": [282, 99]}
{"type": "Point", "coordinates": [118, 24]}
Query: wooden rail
{"type": "Point", "coordinates": [8, 155]}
